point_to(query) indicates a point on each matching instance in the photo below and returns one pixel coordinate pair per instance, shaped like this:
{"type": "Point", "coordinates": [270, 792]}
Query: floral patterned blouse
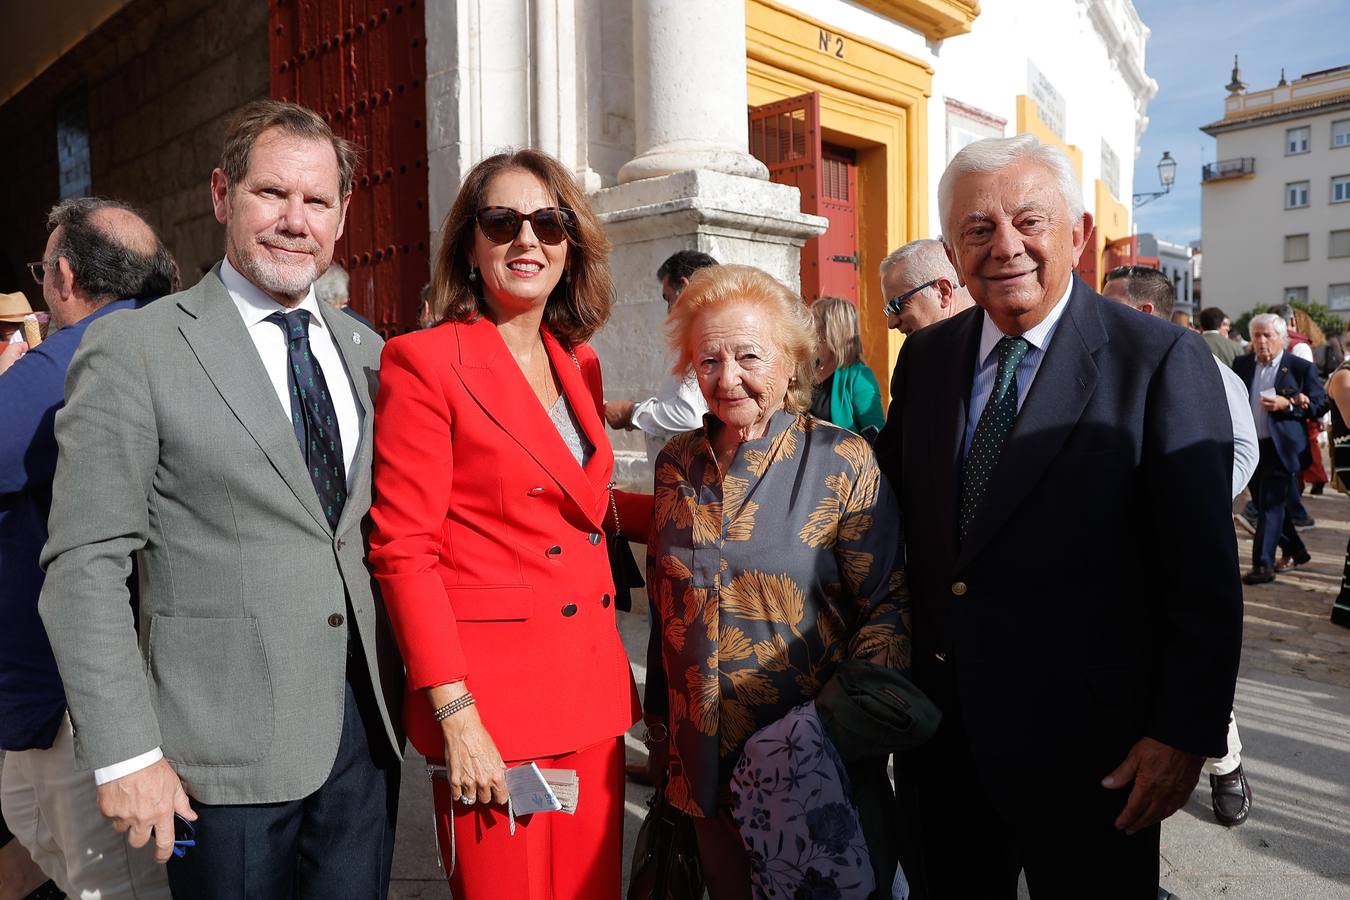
{"type": "Point", "coordinates": [760, 582]}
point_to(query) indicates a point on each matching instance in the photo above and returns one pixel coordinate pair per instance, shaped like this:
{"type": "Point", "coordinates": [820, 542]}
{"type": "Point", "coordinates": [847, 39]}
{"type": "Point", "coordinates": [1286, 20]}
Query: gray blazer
{"type": "Point", "coordinates": [174, 449]}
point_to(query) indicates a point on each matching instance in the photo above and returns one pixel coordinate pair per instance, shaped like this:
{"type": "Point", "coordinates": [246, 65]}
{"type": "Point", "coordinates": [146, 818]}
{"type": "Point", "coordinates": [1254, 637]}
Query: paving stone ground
{"type": "Point", "coordinates": [1293, 708]}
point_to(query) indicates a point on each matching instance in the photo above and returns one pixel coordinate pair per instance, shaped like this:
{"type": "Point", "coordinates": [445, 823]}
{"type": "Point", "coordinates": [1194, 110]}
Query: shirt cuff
{"type": "Point", "coordinates": [135, 764]}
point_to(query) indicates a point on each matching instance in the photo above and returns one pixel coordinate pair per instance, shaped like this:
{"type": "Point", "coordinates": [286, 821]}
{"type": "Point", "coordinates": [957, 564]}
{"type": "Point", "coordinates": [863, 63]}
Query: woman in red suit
{"type": "Point", "coordinates": [492, 474]}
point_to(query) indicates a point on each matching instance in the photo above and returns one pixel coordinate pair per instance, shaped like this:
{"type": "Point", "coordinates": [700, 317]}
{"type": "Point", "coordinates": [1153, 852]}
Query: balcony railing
{"type": "Point", "coordinates": [1240, 167]}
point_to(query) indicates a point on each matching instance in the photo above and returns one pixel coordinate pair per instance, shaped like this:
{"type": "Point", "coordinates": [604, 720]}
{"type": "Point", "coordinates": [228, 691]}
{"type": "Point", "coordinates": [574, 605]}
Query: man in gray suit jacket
{"type": "Point", "coordinates": [222, 437]}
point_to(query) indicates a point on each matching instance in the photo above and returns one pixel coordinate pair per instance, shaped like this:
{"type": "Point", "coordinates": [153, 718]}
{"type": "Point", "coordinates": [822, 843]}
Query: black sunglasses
{"type": "Point", "coordinates": [893, 305]}
{"type": "Point", "coordinates": [552, 224]}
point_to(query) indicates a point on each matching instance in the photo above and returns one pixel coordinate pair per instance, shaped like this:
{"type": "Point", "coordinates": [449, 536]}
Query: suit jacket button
{"type": "Point", "coordinates": [605, 601]}
{"type": "Point", "coordinates": [535, 491]}
{"type": "Point", "coordinates": [555, 550]}
{"type": "Point", "coordinates": [959, 589]}
{"type": "Point", "coordinates": [570, 609]}
{"type": "Point", "coordinates": [940, 657]}
{"type": "Point", "coordinates": [595, 538]}
{"type": "Point", "coordinates": [336, 620]}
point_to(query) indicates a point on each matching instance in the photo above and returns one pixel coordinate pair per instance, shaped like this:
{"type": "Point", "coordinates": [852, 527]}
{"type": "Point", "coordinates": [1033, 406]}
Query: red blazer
{"type": "Point", "coordinates": [488, 542]}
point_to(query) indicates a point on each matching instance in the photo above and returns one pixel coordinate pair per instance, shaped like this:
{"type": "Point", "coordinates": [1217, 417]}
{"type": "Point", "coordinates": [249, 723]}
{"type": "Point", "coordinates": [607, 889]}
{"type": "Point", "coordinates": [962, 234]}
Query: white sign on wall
{"type": "Point", "coordinates": [1049, 101]}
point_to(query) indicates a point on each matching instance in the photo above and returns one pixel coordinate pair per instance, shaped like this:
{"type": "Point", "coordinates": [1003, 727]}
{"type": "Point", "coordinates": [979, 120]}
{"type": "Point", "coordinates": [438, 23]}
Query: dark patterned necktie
{"type": "Point", "coordinates": [312, 415]}
{"type": "Point", "coordinates": [991, 432]}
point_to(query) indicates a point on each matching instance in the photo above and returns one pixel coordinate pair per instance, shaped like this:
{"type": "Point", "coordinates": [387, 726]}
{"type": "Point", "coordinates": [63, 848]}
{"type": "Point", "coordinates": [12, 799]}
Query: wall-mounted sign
{"type": "Point", "coordinates": [830, 43]}
{"type": "Point", "coordinates": [1049, 101]}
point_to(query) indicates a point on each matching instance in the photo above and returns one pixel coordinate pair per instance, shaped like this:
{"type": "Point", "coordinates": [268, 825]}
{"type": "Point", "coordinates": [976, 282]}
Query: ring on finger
{"type": "Point", "coordinates": [466, 799]}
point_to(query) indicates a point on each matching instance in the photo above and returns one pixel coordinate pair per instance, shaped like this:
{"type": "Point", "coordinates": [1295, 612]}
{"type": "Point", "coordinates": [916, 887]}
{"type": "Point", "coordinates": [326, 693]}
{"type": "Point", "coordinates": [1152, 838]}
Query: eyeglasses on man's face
{"type": "Point", "coordinates": [896, 303]}
{"type": "Point", "coordinates": [39, 269]}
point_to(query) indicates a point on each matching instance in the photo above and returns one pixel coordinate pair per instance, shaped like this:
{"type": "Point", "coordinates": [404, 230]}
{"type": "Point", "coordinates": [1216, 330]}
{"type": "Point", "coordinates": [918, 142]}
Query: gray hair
{"type": "Point", "coordinates": [993, 154]}
{"type": "Point", "coordinates": [332, 286]}
{"type": "Point", "coordinates": [1274, 321]}
{"type": "Point", "coordinates": [925, 261]}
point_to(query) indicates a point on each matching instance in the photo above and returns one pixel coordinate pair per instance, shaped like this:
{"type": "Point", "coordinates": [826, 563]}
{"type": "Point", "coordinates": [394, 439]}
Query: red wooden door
{"type": "Point", "coordinates": [838, 256]}
{"type": "Point", "coordinates": [785, 136]}
{"type": "Point", "coordinates": [362, 64]}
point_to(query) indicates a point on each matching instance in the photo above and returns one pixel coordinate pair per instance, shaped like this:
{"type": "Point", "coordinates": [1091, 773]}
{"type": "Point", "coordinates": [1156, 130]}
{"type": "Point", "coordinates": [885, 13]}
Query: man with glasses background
{"type": "Point", "coordinates": [921, 287]}
{"type": "Point", "coordinates": [101, 258]}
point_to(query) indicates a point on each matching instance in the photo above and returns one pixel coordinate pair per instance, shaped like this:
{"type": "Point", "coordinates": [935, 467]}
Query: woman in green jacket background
{"type": "Point", "coordinates": [846, 391]}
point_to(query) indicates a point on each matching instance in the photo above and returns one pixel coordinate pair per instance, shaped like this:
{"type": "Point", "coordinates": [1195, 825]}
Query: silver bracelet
{"type": "Point", "coordinates": [453, 707]}
{"type": "Point", "coordinates": [652, 736]}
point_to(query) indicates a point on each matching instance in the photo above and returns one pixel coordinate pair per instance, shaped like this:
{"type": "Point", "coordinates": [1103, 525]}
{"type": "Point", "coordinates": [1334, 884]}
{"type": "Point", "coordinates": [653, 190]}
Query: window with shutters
{"type": "Point", "coordinates": [1339, 245]}
{"type": "Point", "coordinates": [1340, 189]}
{"type": "Point", "coordinates": [1296, 195]}
{"type": "Point", "coordinates": [1340, 133]}
{"type": "Point", "coordinates": [1295, 247]}
{"type": "Point", "coordinates": [1338, 296]}
{"type": "Point", "coordinates": [1296, 140]}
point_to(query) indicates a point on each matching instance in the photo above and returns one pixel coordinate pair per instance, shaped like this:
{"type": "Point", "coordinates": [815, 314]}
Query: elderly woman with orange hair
{"type": "Point", "coordinates": [492, 513]}
{"type": "Point", "coordinates": [774, 556]}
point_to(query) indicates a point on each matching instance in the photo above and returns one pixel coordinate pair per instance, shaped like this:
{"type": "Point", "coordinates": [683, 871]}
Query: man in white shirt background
{"type": "Point", "coordinates": [678, 405]}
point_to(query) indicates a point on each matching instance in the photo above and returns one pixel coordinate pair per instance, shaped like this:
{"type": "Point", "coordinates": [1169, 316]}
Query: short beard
{"type": "Point", "coordinates": [288, 281]}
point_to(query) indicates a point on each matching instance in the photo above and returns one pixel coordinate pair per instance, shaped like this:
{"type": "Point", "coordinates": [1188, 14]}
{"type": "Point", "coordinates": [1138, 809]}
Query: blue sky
{"type": "Point", "coordinates": [1190, 55]}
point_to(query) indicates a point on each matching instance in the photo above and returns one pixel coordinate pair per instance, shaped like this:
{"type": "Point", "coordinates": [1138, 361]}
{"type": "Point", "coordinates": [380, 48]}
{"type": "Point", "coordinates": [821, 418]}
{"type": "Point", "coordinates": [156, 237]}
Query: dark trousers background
{"type": "Point", "coordinates": [1273, 487]}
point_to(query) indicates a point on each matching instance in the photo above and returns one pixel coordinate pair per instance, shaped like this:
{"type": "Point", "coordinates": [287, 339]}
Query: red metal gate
{"type": "Point", "coordinates": [785, 136]}
{"type": "Point", "coordinates": [362, 64]}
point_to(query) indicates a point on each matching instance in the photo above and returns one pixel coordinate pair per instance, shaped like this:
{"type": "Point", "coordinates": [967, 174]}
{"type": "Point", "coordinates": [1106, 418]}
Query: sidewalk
{"type": "Point", "coordinates": [1293, 709]}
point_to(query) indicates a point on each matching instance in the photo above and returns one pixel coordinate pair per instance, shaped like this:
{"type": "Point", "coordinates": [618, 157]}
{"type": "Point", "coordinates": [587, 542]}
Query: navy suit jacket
{"type": "Point", "coordinates": [31, 391]}
{"type": "Point", "coordinates": [1065, 627]}
{"type": "Point", "coordinates": [1288, 432]}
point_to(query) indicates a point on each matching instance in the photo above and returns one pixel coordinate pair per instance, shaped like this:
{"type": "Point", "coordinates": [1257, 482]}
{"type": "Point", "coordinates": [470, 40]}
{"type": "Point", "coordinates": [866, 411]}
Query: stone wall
{"type": "Point", "coordinates": [160, 80]}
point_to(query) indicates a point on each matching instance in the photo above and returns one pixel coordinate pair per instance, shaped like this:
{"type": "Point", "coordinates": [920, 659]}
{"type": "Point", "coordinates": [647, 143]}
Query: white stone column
{"type": "Point", "coordinates": [690, 92]}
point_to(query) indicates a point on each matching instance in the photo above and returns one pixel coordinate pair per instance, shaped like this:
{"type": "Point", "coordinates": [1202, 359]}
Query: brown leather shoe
{"type": "Point", "coordinates": [1231, 797]}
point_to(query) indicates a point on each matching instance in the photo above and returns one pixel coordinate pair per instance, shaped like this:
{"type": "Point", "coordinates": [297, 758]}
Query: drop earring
{"type": "Point", "coordinates": [473, 274]}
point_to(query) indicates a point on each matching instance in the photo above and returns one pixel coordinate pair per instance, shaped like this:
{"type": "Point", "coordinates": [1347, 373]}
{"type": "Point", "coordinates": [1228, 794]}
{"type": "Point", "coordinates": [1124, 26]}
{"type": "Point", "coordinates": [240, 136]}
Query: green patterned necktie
{"type": "Point", "coordinates": [996, 421]}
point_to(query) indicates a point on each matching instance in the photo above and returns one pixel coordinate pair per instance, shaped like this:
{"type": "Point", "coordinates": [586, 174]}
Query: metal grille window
{"type": "Point", "coordinates": [1340, 189]}
{"type": "Point", "coordinates": [836, 178]}
{"type": "Point", "coordinates": [1295, 247]}
{"type": "Point", "coordinates": [1296, 195]}
{"type": "Point", "coordinates": [779, 138]}
{"type": "Point", "coordinates": [1340, 133]}
{"type": "Point", "coordinates": [1296, 140]}
{"type": "Point", "coordinates": [1339, 245]}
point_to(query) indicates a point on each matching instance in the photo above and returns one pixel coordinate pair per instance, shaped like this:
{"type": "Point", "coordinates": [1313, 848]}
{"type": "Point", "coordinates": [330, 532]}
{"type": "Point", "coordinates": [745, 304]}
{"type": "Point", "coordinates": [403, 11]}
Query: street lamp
{"type": "Point", "coordinates": [1167, 174]}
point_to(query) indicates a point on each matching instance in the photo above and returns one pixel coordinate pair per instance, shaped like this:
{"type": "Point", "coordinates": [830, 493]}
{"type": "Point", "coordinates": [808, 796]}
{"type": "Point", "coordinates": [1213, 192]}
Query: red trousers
{"type": "Point", "coordinates": [553, 856]}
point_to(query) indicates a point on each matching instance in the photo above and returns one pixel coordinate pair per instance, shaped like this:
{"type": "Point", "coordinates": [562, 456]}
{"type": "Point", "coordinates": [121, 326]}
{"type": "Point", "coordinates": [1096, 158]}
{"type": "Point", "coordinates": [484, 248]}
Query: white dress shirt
{"type": "Point", "coordinates": [986, 362]}
{"type": "Point", "coordinates": [677, 407]}
{"type": "Point", "coordinates": [1245, 451]}
{"type": "Point", "coordinates": [1263, 379]}
{"type": "Point", "coordinates": [254, 307]}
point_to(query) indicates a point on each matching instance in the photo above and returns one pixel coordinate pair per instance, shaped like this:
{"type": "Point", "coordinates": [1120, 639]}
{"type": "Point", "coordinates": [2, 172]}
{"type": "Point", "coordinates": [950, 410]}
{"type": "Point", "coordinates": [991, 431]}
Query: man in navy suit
{"type": "Point", "coordinates": [101, 258]}
{"type": "Point", "coordinates": [1044, 445]}
{"type": "Point", "coordinates": [1285, 394]}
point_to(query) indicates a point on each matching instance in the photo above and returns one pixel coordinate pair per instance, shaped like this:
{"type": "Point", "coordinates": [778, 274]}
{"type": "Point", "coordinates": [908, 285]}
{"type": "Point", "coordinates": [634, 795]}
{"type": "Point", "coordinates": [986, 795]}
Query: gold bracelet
{"type": "Point", "coordinates": [453, 707]}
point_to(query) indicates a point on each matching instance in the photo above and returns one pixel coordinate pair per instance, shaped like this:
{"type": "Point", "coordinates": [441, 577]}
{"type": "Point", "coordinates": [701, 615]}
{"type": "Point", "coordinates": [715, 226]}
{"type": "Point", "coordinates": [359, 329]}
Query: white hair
{"type": "Point", "coordinates": [992, 154]}
{"type": "Point", "coordinates": [1274, 321]}
{"type": "Point", "coordinates": [924, 260]}
{"type": "Point", "coordinates": [331, 286]}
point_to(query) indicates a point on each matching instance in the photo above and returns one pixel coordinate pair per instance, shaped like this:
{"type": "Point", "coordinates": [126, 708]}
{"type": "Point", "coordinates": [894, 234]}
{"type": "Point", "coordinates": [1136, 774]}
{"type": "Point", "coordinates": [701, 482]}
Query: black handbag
{"type": "Point", "coordinates": [622, 563]}
{"type": "Point", "coordinates": [665, 856]}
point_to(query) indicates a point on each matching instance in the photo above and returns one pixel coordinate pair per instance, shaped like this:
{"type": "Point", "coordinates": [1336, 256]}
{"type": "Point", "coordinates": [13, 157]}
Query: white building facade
{"type": "Point", "coordinates": [1277, 199]}
{"type": "Point", "coordinates": [802, 136]}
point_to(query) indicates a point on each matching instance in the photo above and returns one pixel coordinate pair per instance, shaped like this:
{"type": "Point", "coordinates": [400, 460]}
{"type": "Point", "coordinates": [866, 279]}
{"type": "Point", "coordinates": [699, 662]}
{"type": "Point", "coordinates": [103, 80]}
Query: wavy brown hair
{"type": "Point", "coordinates": [581, 302]}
